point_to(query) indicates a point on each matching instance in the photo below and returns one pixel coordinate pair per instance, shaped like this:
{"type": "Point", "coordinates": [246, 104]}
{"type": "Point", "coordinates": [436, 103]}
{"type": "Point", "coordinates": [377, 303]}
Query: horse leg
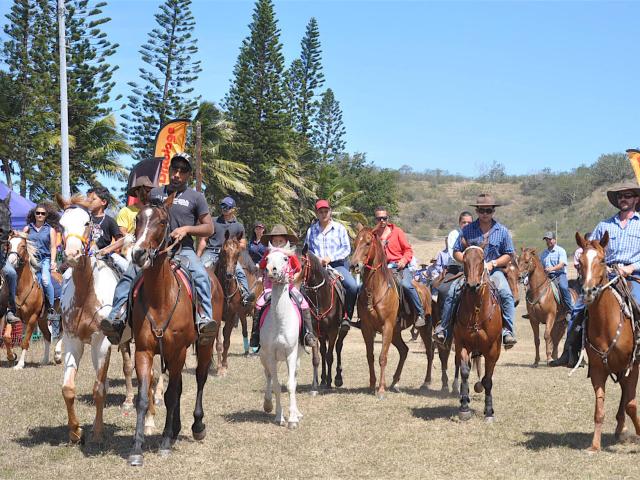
{"type": "Point", "coordinates": [155, 390]}
{"type": "Point", "coordinates": [267, 405]}
{"type": "Point", "coordinates": [487, 383]}
{"type": "Point", "coordinates": [171, 399]}
{"type": "Point", "coordinates": [158, 384]}
{"type": "Point", "coordinates": [198, 428]}
{"type": "Point", "coordinates": [224, 366]}
{"type": "Point", "coordinates": [598, 380]}
{"type": "Point", "coordinates": [100, 355]}
{"type": "Point", "coordinates": [387, 334]}
{"type": "Point", "coordinates": [26, 339]}
{"type": "Point", "coordinates": [127, 370]}
{"type": "Point", "coordinates": [292, 366]}
{"type": "Point", "coordinates": [631, 407]}
{"type": "Point", "coordinates": [57, 352]}
{"type": "Point", "coordinates": [323, 354]}
{"type": "Point", "coordinates": [367, 335]}
{"type": "Point", "coordinates": [144, 363]}
{"type": "Point", "coordinates": [315, 361]}
{"type": "Point", "coordinates": [73, 349]}
{"type": "Point", "coordinates": [7, 340]}
{"type": "Point", "coordinates": [403, 350]}
{"type": "Point", "coordinates": [428, 346]}
{"type": "Point", "coordinates": [277, 390]}
{"type": "Point", "coordinates": [443, 353]}
{"type": "Point", "coordinates": [245, 332]}
{"type": "Point", "coordinates": [219, 349]}
{"type": "Point", "coordinates": [331, 342]}
{"type": "Point", "coordinates": [455, 387]}
{"type": "Point", "coordinates": [548, 335]}
{"type": "Point", "coordinates": [535, 326]}
{"type": "Point", "coordinates": [339, 344]}
{"type": "Point", "coordinates": [462, 356]}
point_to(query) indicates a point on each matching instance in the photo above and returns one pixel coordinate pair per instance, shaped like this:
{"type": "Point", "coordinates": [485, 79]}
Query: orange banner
{"type": "Point", "coordinates": [171, 139]}
{"type": "Point", "coordinates": [634, 158]}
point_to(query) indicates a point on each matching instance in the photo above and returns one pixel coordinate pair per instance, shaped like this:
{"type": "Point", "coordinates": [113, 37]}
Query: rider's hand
{"type": "Point", "coordinates": [54, 267]}
{"type": "Point", "coordinates": [626, 270]}
{"type": "Point", "coordinates": [548, 269]}
{"type": "Point", "coordinates": [488, 266]}
{"type": "Point", "coordinates": [401, 263]}
{"type": "Point", "coordinates": [326, 261]}
{"type": "Point", "coordinates": [179, 233]}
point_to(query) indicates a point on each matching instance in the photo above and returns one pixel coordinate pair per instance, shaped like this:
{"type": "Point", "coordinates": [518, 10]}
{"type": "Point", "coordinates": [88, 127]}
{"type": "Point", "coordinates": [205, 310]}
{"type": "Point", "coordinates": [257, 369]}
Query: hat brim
{"type": "Point", "coordinates": [612, 195]}
{"type": "Point", "coordinates": [290, 238]}
{"type": "Point", "coordinates": [485, 205]}
{"type": "Point", "coordinates": [133, 191]}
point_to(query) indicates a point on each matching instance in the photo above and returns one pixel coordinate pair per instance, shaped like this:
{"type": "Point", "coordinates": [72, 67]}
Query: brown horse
{"type": "Point", "coordinates": [30, 299]}
{"type": "Point", "coordinates": [327, 312]}
{"type": "Point", "coordinates": [477, 329]}
{"type": "Point", "coordinates": [609, 340]}
{"type": "Point", "coordinates": [379, 307]}
{"type": "Point", "coordinates": [542, 306]}
{"type": "Point", "coordinates": [163, 324]}
{"type": "Point", "coordinates": [225, 271]}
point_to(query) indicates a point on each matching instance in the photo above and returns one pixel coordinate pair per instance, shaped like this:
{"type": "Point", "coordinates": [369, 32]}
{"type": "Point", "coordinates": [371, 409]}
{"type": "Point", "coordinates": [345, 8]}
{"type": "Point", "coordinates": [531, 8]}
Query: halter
{"type": "Point", "coordinates": [370, 255]}
{"type": "Point", "coordinates": [485, 271]}
{"type": "Point", "coordinates": [315, 310]}
{"type": "Point", "coordinates": [156, 252]}
{"type": "Point", "coordinates": [85, 240]}
{"type": "Point", "coordinates": [546, 283]}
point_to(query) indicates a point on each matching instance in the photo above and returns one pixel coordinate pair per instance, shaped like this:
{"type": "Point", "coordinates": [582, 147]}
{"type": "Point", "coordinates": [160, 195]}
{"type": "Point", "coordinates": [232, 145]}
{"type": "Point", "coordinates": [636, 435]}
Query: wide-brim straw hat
{"type": "Point", "coordinates": [485, 200]}
{"type": "Point", "coordinates": [142, 181]}
{"type": "Point", "coordinates": [612, 194]}
{"type": "Point", "coordinates": [279, 231]}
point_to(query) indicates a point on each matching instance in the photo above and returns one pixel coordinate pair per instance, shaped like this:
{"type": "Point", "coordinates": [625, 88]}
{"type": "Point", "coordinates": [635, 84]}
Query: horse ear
{"type": "Point", "coordinates": [305, 249]}
{"type": "Point", "coordinates": [534, 251]}
{"type": "Point", "coordinates": [359, 226]}
{"type": "Point", "coordinates": [226, 235]}
{"type": "Point", "coordinates": [604, 240]}
{"type": "Point", "coordinates": [239, 236]}
{"type": "Point", "coordinates": [62, 202]}
{"type": "Point", "coordinates": [169, 200]}
{"type": "Point", "coordinates": [7, 200]}
{"type": "Point", "coordinates": [580, 240]}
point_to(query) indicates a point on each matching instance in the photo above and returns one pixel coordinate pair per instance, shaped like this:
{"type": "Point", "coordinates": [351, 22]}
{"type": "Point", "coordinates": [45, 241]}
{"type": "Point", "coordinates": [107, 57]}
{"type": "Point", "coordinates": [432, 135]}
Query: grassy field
{"type": "Point", "coordinates": [544, 423]}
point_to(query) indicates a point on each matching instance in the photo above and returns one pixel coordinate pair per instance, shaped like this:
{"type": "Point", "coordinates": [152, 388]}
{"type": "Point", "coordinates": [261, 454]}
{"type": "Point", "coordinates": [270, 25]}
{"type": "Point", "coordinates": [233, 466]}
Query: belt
{"type": "Point", "coordinates": [215, 249]}
{"type": "Point", "coordinates": [453, 269]}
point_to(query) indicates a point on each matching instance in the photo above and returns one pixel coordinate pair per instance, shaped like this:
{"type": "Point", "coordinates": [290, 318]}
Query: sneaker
{"type": "Point", "coordinates": [112, 330]}
{"type": "Point", "coordinates": [207, 331]}
{"type": "Point", "coordinates": [508, 340]}
{"type": "Point", "coordinates": [310, 339]}
{"type": "Point", "coordinates": [11, 318]}
{"type": "Point", "coordinates": [439, 335]}
{"type": "Point", "coordinates": [420, 322]}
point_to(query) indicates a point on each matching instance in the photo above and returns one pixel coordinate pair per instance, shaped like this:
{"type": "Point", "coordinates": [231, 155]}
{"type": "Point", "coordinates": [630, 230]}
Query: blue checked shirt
{"type": "Point", "coordinates": [333, 243]}
{"type": "Point", "coordinates": [500, 242]}
{"type": "Point", "coordinates": [624, 243]}
{"type": "Point", "coordinates": [553, 257]}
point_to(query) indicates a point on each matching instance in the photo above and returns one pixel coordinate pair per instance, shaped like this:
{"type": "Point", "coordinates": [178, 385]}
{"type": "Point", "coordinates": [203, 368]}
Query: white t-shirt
{"type": "Point", "coordinates": [452, 238]}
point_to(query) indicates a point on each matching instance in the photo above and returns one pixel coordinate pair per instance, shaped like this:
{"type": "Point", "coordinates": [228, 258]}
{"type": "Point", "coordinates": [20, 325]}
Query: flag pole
{"type": "Point", "coordinates": [198, 156]}
{"type": "Point", "coordinates": [64, 119]}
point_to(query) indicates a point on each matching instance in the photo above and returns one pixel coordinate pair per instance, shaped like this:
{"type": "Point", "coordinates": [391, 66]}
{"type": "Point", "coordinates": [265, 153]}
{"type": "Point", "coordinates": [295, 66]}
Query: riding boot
{"type": "Point", "coordinates": [247, 297]}
{"type": "Point", "coordinates": [255, 330]}
{"type": "Point", "coordinates": [12, 318]}
{"type": "Point", "coordinates": [309, 337]}
{"type": "Point", "coordinates": [207, 329]}
{"type": "Point", "coordinates": [572, 345]}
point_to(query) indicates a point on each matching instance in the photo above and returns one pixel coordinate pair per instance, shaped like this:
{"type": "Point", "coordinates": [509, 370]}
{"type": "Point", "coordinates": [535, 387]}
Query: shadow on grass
{"type": "Point", "coordinates": [428, 392]}
{"type": "Point", "coordinates": [574, 440]}
{"type": "Point", "coordinates": [113, 399]}
{"type": "Point", "coordinates": [434, 413]}
{"type": "Point", "coordinates": [249, 416]}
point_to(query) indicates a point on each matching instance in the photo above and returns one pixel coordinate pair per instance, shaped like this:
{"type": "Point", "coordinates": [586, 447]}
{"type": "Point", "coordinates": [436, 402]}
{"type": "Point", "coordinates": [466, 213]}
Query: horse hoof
{"type": "Point", "coordinates": [477, 387]}
{"type": "Point", "coordinates": [136, 460]}
{"type": "Point", "coordinates": [149, 430]}
{"type": "Point", "coordinates": [19, 366]}
{"type": "Point", "coordinates": [464, 415]}
{"type": "Point", "coordinates": [380, 395]}
{"type": "Point", "coordinates": [338, 381]}
{"type": "Point", "coordinates": [292, 425]}
{"type": "Point", "coordinates": [57, 359]}
{"type": "Point", "coordinates": [282, 422]}
{"type": "Point", "coordinates": [164, 452]}
{"type": "Point", "coordinates": [12, 358]}
{"type": "Point", "coordinates": [314, 393]}
{"type": "Point", "coordinates": [535, 365]}
{"type": "Point", "coordinates": [490, 419]}
{"type": "Point", "coordinates": [200, 435]}
{"type": "Point", "coordinates": [592, 450]}
{"type": "Point", "coordinates": [127, 406]}
{"type": "Point", "coordinates": [395, 389]}
{"type": "Point", "coordinates": [267, 406]}
{"type": "Point", "coordinates": [77, 438]}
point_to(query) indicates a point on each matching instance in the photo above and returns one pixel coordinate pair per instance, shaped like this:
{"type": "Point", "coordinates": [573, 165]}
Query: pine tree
{"type": "Point", "coordinates": [328, 129]}
{"type": "Point", "coordinates": [167, 91]}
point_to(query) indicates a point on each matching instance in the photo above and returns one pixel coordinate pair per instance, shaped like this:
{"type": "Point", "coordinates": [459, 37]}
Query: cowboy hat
{"type": "Point", "coordinates": [142, 181]}
{"type": "Point", "coordinates": [278, 230]}
{"type": "Point", "coordinates": [612, 194]}
{"type": "Point", "coordinates": [485, 200]}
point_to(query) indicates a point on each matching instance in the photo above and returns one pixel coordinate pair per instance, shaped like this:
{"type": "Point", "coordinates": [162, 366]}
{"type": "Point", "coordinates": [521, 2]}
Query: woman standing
{"type": "Point", "coordinates": [256, 247]}
{"type": "Point", "coordinates": [41, 222]}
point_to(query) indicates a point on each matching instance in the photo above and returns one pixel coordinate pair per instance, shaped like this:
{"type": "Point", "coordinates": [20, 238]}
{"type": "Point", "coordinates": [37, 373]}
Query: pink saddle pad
{"type": "Point", "coordinates": [265, 310]}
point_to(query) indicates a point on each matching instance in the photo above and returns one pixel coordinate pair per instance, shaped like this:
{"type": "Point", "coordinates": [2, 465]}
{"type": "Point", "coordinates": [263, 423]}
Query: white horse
{"type": "Point", "coordinates": [279, 338]}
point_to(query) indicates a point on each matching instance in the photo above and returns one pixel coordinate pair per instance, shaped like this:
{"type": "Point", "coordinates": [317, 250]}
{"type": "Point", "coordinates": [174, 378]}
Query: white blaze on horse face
{"type": "Point", "coordinates": [146, 213]}
{"type": "Point", "coordinates": [591, 256]}
{"type": "Point", "coordinates": [277, 264]}
{"type": "Point", "coordinates": [14, 244]}
{"type": "Point", "coordinates": [74, 223]}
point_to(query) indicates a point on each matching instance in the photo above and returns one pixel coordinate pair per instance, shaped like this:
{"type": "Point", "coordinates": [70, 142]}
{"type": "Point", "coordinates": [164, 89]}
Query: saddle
{"type": "Point", "coordinates": [405, 307]}
{"type": "Point", "coordinates": [297, 301]}
{"type": "Point", "coordinates": [336, 278]}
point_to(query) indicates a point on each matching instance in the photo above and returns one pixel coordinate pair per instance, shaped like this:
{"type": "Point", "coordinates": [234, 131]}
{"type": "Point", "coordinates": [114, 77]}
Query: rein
{"type": "Point", "coordinates": [315, 311]}
{"type": "Point", "coordinates": [372, 270]}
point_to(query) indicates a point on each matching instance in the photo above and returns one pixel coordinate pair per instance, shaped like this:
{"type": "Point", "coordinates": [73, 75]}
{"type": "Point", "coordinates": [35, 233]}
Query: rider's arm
{"type": "Point", "coordinates": [202, 244]}
{"type": "Point", "coordinates": [345, 246]}
{"type": "Point", "coordinates": [204, 228]}
{"type": "Point", "coordinates": [53, 238]}
{"type": "Point", "coordinates": [25, 229]}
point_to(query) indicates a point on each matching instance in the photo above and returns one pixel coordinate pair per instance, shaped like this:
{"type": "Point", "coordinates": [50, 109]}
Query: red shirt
{"type": "Point", "coordinates": [294, 263]}
{"type": "Point", "coordinates": [396, 246]}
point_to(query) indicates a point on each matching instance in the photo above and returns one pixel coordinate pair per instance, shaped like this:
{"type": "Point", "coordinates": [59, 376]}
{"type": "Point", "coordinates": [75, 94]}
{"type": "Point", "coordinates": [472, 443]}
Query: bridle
{"type": "Point", "coordinates": [226, 278]}
{"type": "Point", "coordinates": [529, 267]}
{"type": "Point", "coordinates": [159, 250]}
{"type": "Point", "coordinates": [86, 238]}
{"type": "Point", "coordinates": [318, 315]}
{"type": "Point", "coordinates": [485, 271]}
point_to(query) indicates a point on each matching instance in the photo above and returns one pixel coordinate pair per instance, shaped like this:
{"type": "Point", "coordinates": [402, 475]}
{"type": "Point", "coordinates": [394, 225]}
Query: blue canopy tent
{"type": "Point", "coordinates": [19, 207]}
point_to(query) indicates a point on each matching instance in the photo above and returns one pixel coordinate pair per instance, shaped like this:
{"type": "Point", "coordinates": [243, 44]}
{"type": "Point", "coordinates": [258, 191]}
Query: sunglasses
{"type": "Point", "coordinates": [627, 195]}
{"type": "Point", "coordinates": [486, 210]}
{"type": "Point", "coordinates": [41, 213]}
{"type": "Point", "coordinates": [225, 208]}
{"type": "Point", "coordinates": [382, 219]}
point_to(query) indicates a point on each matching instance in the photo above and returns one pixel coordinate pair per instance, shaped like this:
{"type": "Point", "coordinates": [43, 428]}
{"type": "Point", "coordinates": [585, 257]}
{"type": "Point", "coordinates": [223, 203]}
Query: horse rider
{"type": "Point", "coordinates": [139, 192]}
{"type": "Point", "coordinates": [554, 261]}
{"type": "Point", "coordinates": [40, 228]}
{"type": "Point", "coordinates": [188, 216]}
{"type": "Point", "coordinates": [280, 238]}
{"type": "Point", "coordinates": [209, 249]}
{"type": "Point", "coordinates": [11, 277]}
{"type": "Point", "coordinates": [329, 241]}
{"type": "Point", "coordinates": [576, 258]}
{"type": "Point", "coordinates": [105, 228]}
{"type": "Point", "coordinates": [497, 254]}
{"type": "Point", "coordinates": [399, 254]}
{"type": "Point", "coordinates": [623, 251]}
{"type": "Point", "coordinates": [256, 247]}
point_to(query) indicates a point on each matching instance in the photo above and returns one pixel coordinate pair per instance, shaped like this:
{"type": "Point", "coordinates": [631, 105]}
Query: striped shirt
{"type": "Point", "coordinates": [333, 242]}
{"type": "Point", "coordinates": [624, 243]}
{"type": "Point", "coordinates": [553, 257]}
{"type": "Point", "coordinates": [500, 242]}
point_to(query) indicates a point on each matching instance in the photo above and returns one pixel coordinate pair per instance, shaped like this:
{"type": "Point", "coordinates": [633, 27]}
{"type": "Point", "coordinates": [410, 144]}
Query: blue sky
{"type": "Point", "coordinates": [452, 85]}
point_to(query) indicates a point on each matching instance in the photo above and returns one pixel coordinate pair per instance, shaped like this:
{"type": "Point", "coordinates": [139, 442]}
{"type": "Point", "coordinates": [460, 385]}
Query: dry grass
{"type": "Point", "coordinates": [544, 423]}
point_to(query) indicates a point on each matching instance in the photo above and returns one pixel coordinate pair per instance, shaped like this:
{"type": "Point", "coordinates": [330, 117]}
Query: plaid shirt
{"type": "Point", "coordinates": [500, 242]}
{"type": "Point", "coordinates": [624, 243]}
{"type": "Point", "coordinates": [333, 243]}
{"type": "Point", "coordinates": [553, 257]}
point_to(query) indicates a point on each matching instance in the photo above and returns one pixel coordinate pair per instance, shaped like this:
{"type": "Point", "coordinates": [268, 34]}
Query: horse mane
{"type": "Point", "coordinates": [79, 200]}
{"type": "Point", "coordinates": [156, 202]}
{"type": "Point", "coordinates": [31, 251]}
{"type": "Point", "coordinates": [386, 272]}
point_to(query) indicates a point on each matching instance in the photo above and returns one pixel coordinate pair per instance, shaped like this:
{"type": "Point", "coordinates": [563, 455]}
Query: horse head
{"type": "Point", "coordinates": [526, 263]}
{"type": "Point", "coordinates": [152, 231]}
{"type": "Point", "coordinates": [364, 249]}
{"type": "Point", "coordinates": [76, 227]}
{"type": "Point", "coordinates": [473, 259]}
{"type": "Point", "coordinates": [21, 251]}
{"type": "Point", "coordinates": [278, 268]}
{"type": "Point", "coordinates": [513, 275]}
{"type": "Point", "coordinates": [592, 265]}
{"type": "Point", "coordinates": [230, 253]}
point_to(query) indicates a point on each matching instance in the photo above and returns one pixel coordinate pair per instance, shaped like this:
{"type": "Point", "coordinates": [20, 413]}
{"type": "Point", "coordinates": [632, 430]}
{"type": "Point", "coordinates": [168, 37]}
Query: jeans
{"type": "Point", "coordinates": [120, 261]}
{"type": "Point", "coordinates": [197, 270]}
{"type": "Point", "coordinates": [565, 294]}
{"type": "Point", "coordinates": [45, 275]}
{"type": "Point", "coordinates": [210, 257]}
{"type": "Point", "coordinates": [12, 281]}
{"type": "Point", "coordinates": [410, 290]}
{"type": "Point", "coordinates": [349, 284]}
{"type": "Point", "coordinates": [451, 292]}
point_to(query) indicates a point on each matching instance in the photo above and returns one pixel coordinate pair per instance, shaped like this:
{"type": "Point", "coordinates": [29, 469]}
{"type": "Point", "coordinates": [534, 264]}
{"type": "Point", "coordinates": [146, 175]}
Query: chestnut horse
{"type": "Point", "coordinates": [163, 324]}
{"type": "Point", "coordinates": [225, 271]}
{"type": "Point", "coordinates": [30, 300]}
{"type": "Point", "coordinates": [477, 329]}
{"type": "Point", "coordinates": [542, 306]}
{"type": "Point", "coordinates": [327, 312]}
{"type": "Point", "coordinates": [609, 339]}
{"type": "Point", "coordinates": [379, 305]}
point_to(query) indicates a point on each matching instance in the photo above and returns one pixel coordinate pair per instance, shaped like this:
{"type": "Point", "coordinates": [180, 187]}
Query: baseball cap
{"type": "Point", "coordinates": [549, 234]}
{"type": "Point", "coordinates": [228, 201]}
{"type": "Point", "coordinates": [322, 204]}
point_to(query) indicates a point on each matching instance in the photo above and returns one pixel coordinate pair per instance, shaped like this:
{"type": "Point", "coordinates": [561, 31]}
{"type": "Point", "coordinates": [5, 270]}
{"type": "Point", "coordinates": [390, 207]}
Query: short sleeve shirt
{"type": "Point", "coordinates": [234, 228]}
{"type": "Point", "coordinates": [105, 229]}
{"type": "Point", "coordinates": [499, 243]}
{"type": "Point", "coordinates": [188, 206]}
{"type": "Point", "coordinates": [553, 257]}
{"type": "Point", "coordinates": [127, 218]}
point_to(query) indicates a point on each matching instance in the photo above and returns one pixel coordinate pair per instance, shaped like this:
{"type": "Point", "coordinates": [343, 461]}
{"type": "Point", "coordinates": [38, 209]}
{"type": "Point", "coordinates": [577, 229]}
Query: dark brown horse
{"type": "Point", "coordinates": [233, 309]}
{"type": "Point", "coordinates": [609, 340]}
{"type": "Point", "coordinates": [542, 306]}
{"type": "Point", "coordinates": [327, 312]}
{"type": "Point", "coordinates": [379, 307]}
{"type": "Point", "coordinates": [477, 329]}
{"type": "Point", "coordinates": [163, 324]}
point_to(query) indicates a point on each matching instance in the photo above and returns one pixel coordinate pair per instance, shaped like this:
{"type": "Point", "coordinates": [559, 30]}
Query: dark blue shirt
{"type": "Point", "coordinates": [41, 240]}
{"type": "Point", "coordinates": [256, 250]}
